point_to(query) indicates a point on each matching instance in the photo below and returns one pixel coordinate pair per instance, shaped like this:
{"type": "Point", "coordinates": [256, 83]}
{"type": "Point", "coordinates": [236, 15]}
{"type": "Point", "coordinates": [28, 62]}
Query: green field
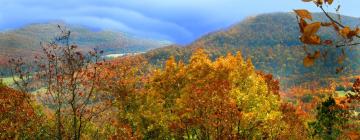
{"type": "Point", "coordinates": [7, 80]}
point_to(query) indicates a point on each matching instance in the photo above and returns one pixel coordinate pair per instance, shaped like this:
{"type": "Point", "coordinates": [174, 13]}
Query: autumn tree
{"type": "Point", "coordinates": [20, 118]}
{"type": "Point", "coordinates": [69, 78]}
{"type": "Point", "coordinates": [124, 79]}
{"type": "Point", "coordinates": [207, 99]}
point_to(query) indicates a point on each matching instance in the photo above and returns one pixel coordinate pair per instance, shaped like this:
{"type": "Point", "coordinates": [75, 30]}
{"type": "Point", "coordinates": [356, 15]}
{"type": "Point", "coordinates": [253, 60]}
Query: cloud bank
{"type": "Point", "coordinates": [180, 21]}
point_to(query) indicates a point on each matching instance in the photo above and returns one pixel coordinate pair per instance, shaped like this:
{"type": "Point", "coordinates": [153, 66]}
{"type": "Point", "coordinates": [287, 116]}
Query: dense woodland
{"type": "Point", "coordinates": [226, 85]}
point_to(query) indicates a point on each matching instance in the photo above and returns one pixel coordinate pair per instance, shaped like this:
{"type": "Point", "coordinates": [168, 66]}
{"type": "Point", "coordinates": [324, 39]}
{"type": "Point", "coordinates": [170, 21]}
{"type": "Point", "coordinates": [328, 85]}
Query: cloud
{"type": "Point", "coordinates": [115, 18]}
{"type": "Point", "coordinates": [181, 21]}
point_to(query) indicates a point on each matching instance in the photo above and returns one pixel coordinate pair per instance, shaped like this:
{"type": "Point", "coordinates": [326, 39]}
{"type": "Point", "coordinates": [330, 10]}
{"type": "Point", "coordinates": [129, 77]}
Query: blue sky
{"type": "Point", "coordinates": [180, 21]}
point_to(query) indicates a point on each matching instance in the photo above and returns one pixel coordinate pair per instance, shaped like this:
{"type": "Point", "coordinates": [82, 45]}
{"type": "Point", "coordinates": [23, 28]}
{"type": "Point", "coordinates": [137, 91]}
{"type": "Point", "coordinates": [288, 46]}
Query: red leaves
{"type": "Point", "coordinates": [328, 42]}
{"type": "Point", "coordinates": [16, 114]}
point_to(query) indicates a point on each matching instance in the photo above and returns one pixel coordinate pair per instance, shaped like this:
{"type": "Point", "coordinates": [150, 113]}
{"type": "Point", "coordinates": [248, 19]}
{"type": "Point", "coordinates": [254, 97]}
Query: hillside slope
{"type": "Point", "coordinates": [271, 41]}
{"type": "Point", "coordinates": [26, 41]}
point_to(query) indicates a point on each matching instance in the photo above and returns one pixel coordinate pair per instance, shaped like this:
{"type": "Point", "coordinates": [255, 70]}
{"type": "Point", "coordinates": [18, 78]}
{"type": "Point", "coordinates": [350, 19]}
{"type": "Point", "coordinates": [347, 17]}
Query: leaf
{"type": "Point", "coordinates": [309, 61]}
{"type": "Point", "coordinates": [319, 2]}
{"type": "Point", "coordinates": [328, 42]}
{"type": "Point", "coordinates": [302, 25]}
{"type": "Point", "coordinates": [329, 1]}
{"type": "Point", "coordinates": [345, 31]}
{"type": "Point", "coordinates": [312, 28]}
{"type": "Point", "coordinates": [302, 13]}
{"type": "Point", "coordinates": [312, 40]}
{"type": "Point", "coordinates": [353, 33]}
{"type": "Point", "coordinates": [317, 54]}
{"type": "Point", "coordinates": [307, 0]}
{"type": "Point", "coordinates": [309, 36]}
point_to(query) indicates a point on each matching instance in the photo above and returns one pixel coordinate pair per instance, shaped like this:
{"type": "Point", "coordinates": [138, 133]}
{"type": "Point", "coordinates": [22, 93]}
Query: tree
{"type": "Point", "coordinates": [217, 99]}
{"type": "Point", "coordinates": [329, 120]}
{"type": "Point", "coordinates": [70, 79]}
{"type": "Point", "coordinates": [19, 118]}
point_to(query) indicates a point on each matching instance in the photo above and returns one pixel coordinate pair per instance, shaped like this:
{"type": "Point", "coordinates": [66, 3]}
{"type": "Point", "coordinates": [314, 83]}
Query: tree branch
{"type": "Point", "coordinates": [354, 44]}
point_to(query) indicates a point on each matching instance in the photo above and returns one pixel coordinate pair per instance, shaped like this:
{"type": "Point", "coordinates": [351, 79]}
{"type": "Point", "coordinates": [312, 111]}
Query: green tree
{"type": "Point", "coordinates": [329, 120]}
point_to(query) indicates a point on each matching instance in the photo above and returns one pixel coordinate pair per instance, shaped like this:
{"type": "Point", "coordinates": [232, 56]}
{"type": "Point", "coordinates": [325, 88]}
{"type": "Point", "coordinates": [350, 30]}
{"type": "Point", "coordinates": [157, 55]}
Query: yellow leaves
{"type": "Point", "coordinates": [304, 14]}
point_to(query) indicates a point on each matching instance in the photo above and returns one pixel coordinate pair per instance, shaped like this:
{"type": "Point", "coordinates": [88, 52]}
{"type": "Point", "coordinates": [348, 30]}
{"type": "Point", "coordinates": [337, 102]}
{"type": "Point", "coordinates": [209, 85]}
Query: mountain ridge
{"type": "Point", "coordinates": [272, 42]}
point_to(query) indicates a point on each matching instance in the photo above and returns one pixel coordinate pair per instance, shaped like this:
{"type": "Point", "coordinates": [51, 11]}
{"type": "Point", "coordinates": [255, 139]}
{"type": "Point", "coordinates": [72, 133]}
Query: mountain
{"type": "Point", "coordinates": [272, 42]}
{"type": "Point", "coordinates": [25, 41]}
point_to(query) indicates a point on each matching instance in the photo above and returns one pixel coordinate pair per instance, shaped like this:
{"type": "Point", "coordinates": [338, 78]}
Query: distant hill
{"type": "Point", "coordinates": [25, 41]}
{"type": "Point", "coordinates": [271, 41]}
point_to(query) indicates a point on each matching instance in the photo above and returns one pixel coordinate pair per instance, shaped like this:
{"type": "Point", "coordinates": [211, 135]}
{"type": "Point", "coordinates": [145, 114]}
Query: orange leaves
{"type": "Point", "coordinates": [16, 114]}
{"type": "Point", "coordinates": [345, 31]}
{"type": "Point", "coordinates": [312, 40]}
{"type": "Point", "coordinates": [320, 2]}
{"type": "Point", "coordinates": [329, 1]}
{"type": "Point", "coordinates": [302, 25]}
{"type": "Point", "coordinates": [312, 28]}
{"type": "Point", "coordinates": [309, 35]}
{"type": "Point", "coordinates": [309, 60]}
{"type": "Point", "coordinates": [348, 33]}
{"type": "Point", "coordinates": [353, 33]}
{"type": "Point", "coordinates": [308, 30]}
{"type": "Point", "coordinates": [304, 14]}
{"type": "Point", "coordinates": [317, 54]}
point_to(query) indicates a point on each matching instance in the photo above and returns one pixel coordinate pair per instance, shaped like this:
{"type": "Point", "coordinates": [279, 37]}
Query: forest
{"type": "Point", "coordinates": [240, 83]}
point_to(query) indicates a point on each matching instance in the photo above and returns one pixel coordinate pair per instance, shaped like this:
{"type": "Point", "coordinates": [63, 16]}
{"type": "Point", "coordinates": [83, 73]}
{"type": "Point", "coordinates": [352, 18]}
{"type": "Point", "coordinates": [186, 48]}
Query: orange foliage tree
{"type": "Point", "coordinates": [18, 117]}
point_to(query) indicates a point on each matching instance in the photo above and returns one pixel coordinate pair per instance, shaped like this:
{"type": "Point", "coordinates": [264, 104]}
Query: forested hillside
{"type": "Point", "coordinates": [277, 76]}
{"type": "Point", "coordinates": [25, 41]}
{"type": "Point", "coordinates": [272, 42]}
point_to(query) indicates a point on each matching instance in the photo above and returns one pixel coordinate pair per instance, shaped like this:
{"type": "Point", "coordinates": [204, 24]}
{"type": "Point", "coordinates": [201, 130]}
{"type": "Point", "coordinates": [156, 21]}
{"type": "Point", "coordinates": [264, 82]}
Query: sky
{"type": "Point", "coordinates": [179, 21]}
